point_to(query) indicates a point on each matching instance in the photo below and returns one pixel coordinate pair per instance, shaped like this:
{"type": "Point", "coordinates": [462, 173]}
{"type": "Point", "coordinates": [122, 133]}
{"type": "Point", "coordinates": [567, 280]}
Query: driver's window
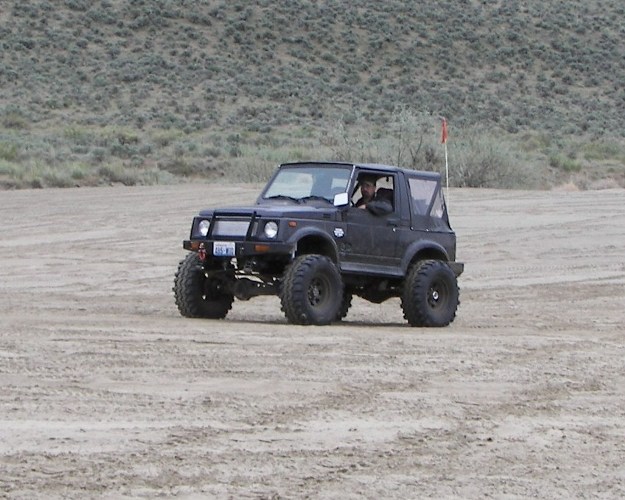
{"type": "Point", "coordinates": [373, 187]}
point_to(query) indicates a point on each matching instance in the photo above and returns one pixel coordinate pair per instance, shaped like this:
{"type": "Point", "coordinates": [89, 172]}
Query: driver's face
{"type": "Point", "coordinates": [367, 189]}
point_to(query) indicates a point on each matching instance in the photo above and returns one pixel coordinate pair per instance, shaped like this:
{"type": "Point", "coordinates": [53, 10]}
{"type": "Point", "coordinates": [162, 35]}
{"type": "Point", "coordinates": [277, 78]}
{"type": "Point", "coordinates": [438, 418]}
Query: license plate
{"type": "Point", "coordinates": [223, 248]}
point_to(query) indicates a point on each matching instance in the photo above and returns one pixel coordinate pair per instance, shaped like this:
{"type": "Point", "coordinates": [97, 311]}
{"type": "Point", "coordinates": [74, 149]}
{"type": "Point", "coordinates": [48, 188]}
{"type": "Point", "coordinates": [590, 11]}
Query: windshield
{"type": "Point", "coordinates": [316, 182]}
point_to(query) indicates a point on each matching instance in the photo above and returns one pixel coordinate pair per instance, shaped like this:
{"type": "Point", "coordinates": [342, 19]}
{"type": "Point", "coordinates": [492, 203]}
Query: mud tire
{"type": "Point", "coordinates": [198, 296]}
{"type": "Point", "coordinates": [430, 294]}
{"type": "Point", "coordinates": [345, 305]}
{"type": "Point", "coordinates": [312, 291]}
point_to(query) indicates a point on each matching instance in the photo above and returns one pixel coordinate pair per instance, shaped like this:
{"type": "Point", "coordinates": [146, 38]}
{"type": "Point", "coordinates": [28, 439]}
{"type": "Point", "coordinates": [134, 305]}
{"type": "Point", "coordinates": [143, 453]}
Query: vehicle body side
{"type": "Point", "coordinates": [358, 241]}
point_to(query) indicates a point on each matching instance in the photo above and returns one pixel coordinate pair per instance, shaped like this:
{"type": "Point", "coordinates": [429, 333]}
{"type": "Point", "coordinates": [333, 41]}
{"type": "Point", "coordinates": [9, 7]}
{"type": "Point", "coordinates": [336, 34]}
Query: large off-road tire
{"type": "Point", "coordinates": [198, 296]}
{"type": "Point", "coordinates": [430, 294]}
{"type": "Point", "coordinates": [312, 291]}
{"type": "Point", "coordinates": [346, 303]}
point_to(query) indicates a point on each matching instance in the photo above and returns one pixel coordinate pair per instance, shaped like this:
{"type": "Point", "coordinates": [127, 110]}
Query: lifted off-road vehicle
{"type": "Point", "coordinates": [321, 233]}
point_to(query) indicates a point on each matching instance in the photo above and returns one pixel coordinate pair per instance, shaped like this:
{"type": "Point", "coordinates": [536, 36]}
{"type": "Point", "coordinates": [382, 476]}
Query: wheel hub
{"type": "Point", "coordinates": [436, 296]}
{"type": "Point", "coordinates": [316, 292]}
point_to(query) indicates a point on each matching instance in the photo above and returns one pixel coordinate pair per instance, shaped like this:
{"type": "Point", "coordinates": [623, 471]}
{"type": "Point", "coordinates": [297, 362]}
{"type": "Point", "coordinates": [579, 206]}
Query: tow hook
{"type": "Point", "coordinates": [201, 252]}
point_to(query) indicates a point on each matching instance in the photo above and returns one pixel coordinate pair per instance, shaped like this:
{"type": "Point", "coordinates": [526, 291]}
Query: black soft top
{"type": "Point", "coordinates": [379, 167]}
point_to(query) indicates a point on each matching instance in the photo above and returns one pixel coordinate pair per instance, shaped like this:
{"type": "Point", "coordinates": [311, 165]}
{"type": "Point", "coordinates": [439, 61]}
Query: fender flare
{"type": "Point", "coordinates": [429, 248]}
{"type": "Point", "coordinates": [330, 248]}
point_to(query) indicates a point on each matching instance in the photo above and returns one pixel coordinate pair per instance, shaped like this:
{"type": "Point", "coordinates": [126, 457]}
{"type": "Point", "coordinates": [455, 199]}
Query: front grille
{"type": "Point", "coordinates": [228, 227]}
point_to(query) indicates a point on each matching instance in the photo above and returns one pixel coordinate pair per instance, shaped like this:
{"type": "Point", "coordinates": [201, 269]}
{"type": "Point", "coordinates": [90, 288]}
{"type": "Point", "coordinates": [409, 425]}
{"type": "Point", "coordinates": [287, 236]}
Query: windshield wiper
{"type": "Point", "coordinates": [283, 197]}
{"type": "Point", "coordinates": [313, 197]}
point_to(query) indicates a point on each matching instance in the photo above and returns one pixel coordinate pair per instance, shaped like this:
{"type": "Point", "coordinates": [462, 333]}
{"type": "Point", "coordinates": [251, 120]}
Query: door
{"type": "Point", "coordinates": [370, 241]}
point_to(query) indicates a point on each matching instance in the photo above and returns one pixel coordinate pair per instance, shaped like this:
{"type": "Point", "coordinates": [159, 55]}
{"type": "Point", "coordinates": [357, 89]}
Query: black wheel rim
{"type": "Point", "coordinates": [437, 294]}
{"type": "Point", "coordinates": [318, 291]}
{"type": "Point", "coordinates": [213, 288]}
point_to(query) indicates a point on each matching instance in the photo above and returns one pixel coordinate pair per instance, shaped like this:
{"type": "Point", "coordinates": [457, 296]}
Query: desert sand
{"type": "Point", "coordinates": [106, 391]}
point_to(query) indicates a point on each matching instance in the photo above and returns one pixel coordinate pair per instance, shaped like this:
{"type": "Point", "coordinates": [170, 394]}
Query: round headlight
{"type": "Point", "coordinates": [271, 229]}
{"type": "Point", "coordinates": [203, 227]}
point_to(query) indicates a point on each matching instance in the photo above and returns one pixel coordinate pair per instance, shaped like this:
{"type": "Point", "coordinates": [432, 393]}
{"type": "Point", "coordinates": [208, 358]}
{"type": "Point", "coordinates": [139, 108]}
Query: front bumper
{"type": "Point", "coordinates": [242, 249]}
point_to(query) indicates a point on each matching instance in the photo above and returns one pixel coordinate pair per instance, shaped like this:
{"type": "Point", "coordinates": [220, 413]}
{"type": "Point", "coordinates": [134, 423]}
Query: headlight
{"type": "Point", "coordinates": [271, 229]}
{"type": "Point", "coordinates": [203, 227]}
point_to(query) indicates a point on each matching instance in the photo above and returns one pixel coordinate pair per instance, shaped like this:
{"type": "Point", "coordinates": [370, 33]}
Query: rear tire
{"type": "Point", "coordinates": [312, 291]}
{"type": "Point", "coordinates": [199, 296]}
{"type": "Point", "coordinates": [430, 294]}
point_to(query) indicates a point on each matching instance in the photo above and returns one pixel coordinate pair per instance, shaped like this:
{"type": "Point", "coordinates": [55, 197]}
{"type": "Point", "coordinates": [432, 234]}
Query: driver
{"type": "Point", "coordinates": [367, 190]}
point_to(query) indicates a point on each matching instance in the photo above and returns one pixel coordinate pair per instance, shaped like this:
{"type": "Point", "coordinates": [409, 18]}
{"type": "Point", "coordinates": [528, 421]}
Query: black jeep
{"type": "Point", "coordinates": [312, 241]}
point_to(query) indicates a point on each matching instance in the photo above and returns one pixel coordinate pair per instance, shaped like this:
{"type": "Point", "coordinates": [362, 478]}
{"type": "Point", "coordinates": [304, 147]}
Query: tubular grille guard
{"type": "Point", "coordinates": [233, 226]}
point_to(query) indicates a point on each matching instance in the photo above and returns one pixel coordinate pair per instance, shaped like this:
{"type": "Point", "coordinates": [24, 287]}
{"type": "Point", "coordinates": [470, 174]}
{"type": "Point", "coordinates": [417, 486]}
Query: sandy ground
{"type": "Point", "coordinates": [105, 391]}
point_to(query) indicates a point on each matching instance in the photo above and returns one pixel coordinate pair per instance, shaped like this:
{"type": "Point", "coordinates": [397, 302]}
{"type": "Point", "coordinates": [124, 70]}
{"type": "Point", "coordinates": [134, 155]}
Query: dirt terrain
{"type": "Point", "coordinates": [105, 391]}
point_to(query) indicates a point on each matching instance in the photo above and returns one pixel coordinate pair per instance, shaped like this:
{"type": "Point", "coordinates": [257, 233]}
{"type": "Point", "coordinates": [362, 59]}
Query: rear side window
{"type": "Point", "coordinates": [438, 208]}
{"type": "Point", "coordinates": [423, 194]}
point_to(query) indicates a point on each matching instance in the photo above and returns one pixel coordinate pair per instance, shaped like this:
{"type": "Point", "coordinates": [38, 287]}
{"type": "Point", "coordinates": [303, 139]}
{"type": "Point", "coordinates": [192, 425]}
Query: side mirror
{"type": "Point", "coordinates": [341, 199]}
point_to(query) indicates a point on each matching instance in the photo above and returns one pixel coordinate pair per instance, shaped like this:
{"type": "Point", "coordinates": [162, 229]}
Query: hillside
{"type": "Point", "coordinates": [186, 87]}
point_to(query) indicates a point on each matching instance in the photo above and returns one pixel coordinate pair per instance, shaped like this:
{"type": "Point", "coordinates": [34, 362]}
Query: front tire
{"type": "Point", "coordinates": [430, 294]}
{"type": "Point", "coordinates": [199, 295]}
{"type": "Point", "coordinates": [346, 303]}
{"type": "Point", "coordinates": [312, 291]}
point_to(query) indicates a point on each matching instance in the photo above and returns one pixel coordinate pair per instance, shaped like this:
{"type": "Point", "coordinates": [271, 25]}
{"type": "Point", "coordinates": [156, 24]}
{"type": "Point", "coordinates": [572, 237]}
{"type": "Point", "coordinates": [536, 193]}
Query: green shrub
{"type": "Point", "coordinates": [15, 120]}
{"type": "Point", "coordinates": [532, 142]}
{"type": "Point", "coordinates": [79, 171]}
{"type": "Point", "coordinates": [211, 151]}
{"type": "Point", "coordinates": [118, 173]}
{"type": "Point", "coordinates": [78, 135]}
{"type": "Point", "coordinates": [164, 138]}
{"type": "Point", "coordinates": [123, 150]}
{"type": "Point", "coordinates": [8, 169]}
{"type": "Point", "coordinates": [98, 155]}
{"type": "Point", "coordinates": [184, 166]}
{"type": "Point", "coordinates": [604, 150]}
{"type": "Point", "coordinates": [55, 179]}
{"type": "Point", "coordinates": [122, 135]}
{"type": "Point", "coordinates": [406, 140]}
{"type": "Point", "coordinates": [564, 163]}
{"type": "Point", "coordinates": [8, 151]}
{"type": "Point", "coordinates": [478, 160]}
{"type": "Point", "coordinates": [248, 170]}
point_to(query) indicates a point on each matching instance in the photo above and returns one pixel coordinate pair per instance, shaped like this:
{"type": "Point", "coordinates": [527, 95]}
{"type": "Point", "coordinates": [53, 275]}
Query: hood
{"type": "Point", "coordinates": [273, 211]}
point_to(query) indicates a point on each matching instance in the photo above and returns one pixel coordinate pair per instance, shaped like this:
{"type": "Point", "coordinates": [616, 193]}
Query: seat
{"type": "Point", "coordinates": [387, 195]}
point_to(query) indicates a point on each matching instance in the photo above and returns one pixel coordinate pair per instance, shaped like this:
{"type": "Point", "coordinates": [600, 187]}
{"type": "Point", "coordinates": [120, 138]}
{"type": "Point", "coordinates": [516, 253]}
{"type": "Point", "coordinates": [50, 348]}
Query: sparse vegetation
{"type": "Point", "coordinates": [162, 91]}
{"type": "Point", "coordinates": [564, 163]}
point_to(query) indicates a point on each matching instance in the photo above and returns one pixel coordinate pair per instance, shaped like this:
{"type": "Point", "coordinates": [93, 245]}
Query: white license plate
{"type": "Point", "coordinates": [223, 248]}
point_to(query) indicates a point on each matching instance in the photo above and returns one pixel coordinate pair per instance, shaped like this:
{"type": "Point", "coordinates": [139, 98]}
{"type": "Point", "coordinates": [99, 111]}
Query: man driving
{"type": "Point", "coordinates": [367, 190]}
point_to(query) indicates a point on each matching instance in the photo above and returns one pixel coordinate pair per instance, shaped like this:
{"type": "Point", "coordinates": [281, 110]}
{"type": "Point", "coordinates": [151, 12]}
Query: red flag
{"type": "Point", "coordinates": [444, 132]}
